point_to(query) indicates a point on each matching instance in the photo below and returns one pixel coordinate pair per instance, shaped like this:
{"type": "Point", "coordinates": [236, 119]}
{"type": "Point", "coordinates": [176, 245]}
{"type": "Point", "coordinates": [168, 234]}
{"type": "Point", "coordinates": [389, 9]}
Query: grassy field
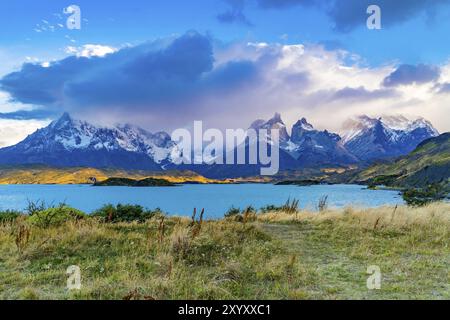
{"type": "Point", "coordinates": [301, 255]}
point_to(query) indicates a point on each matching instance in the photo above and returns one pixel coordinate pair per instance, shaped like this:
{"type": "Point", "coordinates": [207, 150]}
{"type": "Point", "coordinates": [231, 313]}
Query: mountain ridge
{"type": "Point", "coordinates": [68, 142]}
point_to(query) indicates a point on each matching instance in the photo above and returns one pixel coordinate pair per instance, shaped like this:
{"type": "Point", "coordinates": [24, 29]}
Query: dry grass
{"type": "Point", "coordinates": [307, 255]}
{"type": "Point", "coordinates": [436, 215]}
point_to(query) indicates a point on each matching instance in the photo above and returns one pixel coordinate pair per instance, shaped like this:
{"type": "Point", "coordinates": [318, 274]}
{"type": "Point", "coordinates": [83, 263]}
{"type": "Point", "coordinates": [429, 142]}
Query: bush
{"type": "Point", "coordinates": [55, 216]}
{"type": "Point", "coordinates": [289, 207]}
{"type": "Point", "coordinates": [271, 208]}
{"type": "Point", "coordinates": [421, 197]}
{"type": "Point", "coordinates": [235, 214]}
{"type": "Point", "coordinates": [9, 215]}
{"type": "Point", "coordinates": [232, 212]}
{"type": "Point", "coordinates": [125, 213]}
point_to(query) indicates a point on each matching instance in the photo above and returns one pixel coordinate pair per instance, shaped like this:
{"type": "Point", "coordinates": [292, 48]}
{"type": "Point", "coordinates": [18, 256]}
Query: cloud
{"type": "Point", "coordinates": [37, 114]}
{"type": "Point", "coordinates": [444, 88]}
{"type": "Point", "coordinates": [349, 14]}
{"type": "Point", "coordinates": [90, 50]}
{"type": "Point", "coordinates": [170, 83]}
{"type": "Point", "coordinates": [147, 78]}
{"type": "Point", "coordinates": [235, 13]}
{"type": "Point", "coordinates": [13, 131]}
{"type": "Point", "coordinates": [407, 74]}
{"type": "Point", "coordinates": [361, 93]}
{"type": "Point", "coordinates": [136, 75]}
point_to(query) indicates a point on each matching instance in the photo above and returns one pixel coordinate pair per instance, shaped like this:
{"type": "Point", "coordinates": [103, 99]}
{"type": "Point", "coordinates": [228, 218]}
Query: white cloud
{"type": "Point", "coordinates": [303, 80]}
{"type": "Point", "coordinates": [90, 50]}
{"type": "Point", "coordinates": [325, 86]}
{"type": "Point", "coordinates": [13, 131]}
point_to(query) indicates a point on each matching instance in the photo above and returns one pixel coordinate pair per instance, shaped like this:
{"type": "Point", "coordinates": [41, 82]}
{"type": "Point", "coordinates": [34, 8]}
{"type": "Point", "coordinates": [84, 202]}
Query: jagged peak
{"type": "Point", "coordinates": [62, 121]}
{"type": "Point", "coordinates": [276, 118]}
{"type": "Point", "coordinates": [304, 124]}
{"type": "Point", "coordinates": [272, 122]}
{"type": "Point", "coordinates": [392, 122]}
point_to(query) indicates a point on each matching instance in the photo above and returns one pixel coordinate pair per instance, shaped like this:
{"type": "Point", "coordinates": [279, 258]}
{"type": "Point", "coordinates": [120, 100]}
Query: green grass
{"type": "Point", "coordinates": [269, 256]}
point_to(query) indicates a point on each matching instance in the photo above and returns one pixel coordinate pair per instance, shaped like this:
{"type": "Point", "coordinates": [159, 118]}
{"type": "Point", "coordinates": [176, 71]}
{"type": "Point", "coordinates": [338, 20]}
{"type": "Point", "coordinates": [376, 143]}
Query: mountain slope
{"type": "Point", "coordinates": [386, 137]}
{"type": "Point", "coordinates": [67, 142]}
{"type": "Point", "coordinates": [428, 163]}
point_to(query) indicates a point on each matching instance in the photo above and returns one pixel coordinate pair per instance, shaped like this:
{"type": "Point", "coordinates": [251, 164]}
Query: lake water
{"type": "Point", "coordinates": [180, 200]}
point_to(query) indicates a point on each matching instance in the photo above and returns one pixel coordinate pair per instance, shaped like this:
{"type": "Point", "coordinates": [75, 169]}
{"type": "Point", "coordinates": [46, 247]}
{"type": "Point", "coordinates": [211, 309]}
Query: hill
{"type": "Point", "coordinates": [428, 163]}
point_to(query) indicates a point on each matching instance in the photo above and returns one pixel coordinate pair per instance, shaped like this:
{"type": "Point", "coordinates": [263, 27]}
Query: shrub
{"type": "Point", "coordinates": [232, 212]}
{"type": "Point", "coordinates": [125, 213]}
{"type": "Point", "coordinates": [270, 208]}
{"type": "Point", "coordinates": [238, 215]}
{"type": "Point", "coordinates": [290, 207]}
{"type": "Point", "coordinates": [55, 216]}
{"type": "Point", "coordinates": [9, 215]}
{"type": "Point", "coordinates": [421, 197]}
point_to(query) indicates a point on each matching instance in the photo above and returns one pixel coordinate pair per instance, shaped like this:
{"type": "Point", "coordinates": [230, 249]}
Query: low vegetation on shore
{"type": "Point", "coordinates": [35, 174]}
{"type": "Point", "coordinates": [129, 252]}
{"type": "Point", "coordinates": [126, 182]}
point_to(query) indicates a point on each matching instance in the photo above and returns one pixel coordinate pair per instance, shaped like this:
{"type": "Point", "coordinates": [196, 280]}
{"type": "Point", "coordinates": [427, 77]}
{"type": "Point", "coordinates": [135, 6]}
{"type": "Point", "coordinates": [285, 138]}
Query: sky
{"type": "Point", "coordinates": [163, 64]}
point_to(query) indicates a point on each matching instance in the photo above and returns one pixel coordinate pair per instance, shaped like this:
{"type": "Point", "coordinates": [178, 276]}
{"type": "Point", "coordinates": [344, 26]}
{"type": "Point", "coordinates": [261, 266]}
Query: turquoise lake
{"type": "Point", "coordinates": [180, 200]}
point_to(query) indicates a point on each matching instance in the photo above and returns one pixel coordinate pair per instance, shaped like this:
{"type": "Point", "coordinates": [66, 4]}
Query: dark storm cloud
{"type": "Point", "coordinates": [408, 74]}
{"type": "Point", "coordinates": [349, 14]}
{"type": "Point", "coordinates": [139, 77]}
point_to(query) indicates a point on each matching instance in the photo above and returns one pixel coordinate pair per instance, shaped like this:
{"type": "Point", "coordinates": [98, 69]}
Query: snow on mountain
{"type": "Point", "coordinates": [306, 145]}
{"type": "Point", "coordinates": [274, 123]}
{"type": "Point", "coordinates": [385, 137]}
{"type": "Point", "coordinates": [76, 134]}
{"type": "Point", "coordinates": [68, 141]}
{"type": "Point", "coordinates": [74, 143]}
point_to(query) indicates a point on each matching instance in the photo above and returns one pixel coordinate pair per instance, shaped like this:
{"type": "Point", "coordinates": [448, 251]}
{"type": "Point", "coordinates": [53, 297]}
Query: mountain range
{"type": "Point", "coordinates": [68, 142]}
{"type": "Point", "coordinates": [386, 137]}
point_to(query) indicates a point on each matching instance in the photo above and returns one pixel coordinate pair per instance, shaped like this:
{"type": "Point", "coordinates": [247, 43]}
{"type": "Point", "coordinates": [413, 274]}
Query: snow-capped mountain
{"type": "Point", "coordinates": [67, 142]}
{"type": "Point", "coordinates": [70, 142]}
{"type": "Point", "coordinates": [306, 147]}
{"type": "Point", "coordinates": [320, 147]}
{"type": "Point", "coordinates": [385, 137]}
{"type": "Point", "coordinates": [274, 123]}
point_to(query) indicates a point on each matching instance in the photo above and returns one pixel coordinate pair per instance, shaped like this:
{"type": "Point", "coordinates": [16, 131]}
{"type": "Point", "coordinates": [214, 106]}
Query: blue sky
{"type": "Point", "coordinates": [419, 36]}
{"type": "Point", "coordinates": [234, 49]}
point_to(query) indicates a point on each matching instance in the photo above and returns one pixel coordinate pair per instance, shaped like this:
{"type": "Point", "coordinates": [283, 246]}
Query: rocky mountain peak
{"type": "Point", "coordinates": [386, 136]}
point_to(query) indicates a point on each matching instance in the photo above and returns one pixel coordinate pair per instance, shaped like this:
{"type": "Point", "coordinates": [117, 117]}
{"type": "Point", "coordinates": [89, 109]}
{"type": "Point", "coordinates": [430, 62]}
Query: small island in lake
{"type": "Point", "coordinates": [126, 182]}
